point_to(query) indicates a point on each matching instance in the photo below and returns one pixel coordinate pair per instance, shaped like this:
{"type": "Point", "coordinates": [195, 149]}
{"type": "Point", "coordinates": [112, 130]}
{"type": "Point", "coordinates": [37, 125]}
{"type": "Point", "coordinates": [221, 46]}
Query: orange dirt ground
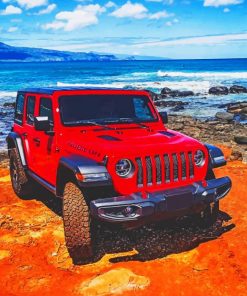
{"type": "Point", "coordinates": [179, 259]}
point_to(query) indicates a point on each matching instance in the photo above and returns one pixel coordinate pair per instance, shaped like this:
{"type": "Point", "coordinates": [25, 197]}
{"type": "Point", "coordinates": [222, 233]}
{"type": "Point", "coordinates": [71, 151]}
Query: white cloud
{"type": "Point", "coordinates": [138, 11]}
{"type": "Point", "coordinates": [159, 15]}
{"type": "Point", "coordinates": [132, 10]}
{"type": "Point", "coordinates": [217, 3]}
{"type": "Point", "coordinates": [12, 29]}
{"type": "Point", "coordinates": [226, 10]}
{"type": "Point", "coordinates": [206, 40]}
{"type": "Point", "coordinates": [166, 2]}
{"type": "Point", "coordinates": [110, 4]}
{"type": "Point", "coordinates": [10, 9]}
{"type": "Point", "coordinates": [47, 10]}
{"type": "Point", "coordinates": [169, 24]}
{"type": "Point", "coordinates": [81, 17]}
{"type": "Point", "coordinates": [28, 4]}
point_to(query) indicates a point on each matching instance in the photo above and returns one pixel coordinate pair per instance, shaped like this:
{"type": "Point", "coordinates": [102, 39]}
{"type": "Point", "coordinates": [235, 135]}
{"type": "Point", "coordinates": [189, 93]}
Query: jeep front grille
{"type": "Point", "coordinates": [166, 168]}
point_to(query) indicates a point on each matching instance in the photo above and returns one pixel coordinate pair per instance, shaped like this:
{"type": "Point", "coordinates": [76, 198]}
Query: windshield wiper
{"type": "Point", "coordinates": [90, 122]}
{"type": "Point", "coordinates": [129, 120]}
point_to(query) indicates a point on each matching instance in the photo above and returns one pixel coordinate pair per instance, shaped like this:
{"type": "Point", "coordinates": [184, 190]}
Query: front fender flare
{"type": "Point", "coordinates": [216, 156]}
{"type": "Point", "coordinates": [76, 164]}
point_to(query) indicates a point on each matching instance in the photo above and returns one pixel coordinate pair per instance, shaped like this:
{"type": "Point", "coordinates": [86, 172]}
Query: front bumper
{"type": "Point", "coordinates": [166, 203]}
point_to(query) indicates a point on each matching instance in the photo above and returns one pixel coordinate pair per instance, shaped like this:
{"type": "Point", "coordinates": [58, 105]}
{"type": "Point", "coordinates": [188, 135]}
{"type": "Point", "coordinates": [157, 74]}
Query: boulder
{"type": "Point", "coordinates": [9, 104]}
{"type": "Point", "coordinates": [237, 89]}
{"type": "Point", "coordinates": [244, 110]}
{"type": "Point", "coordinates": [186, 93]}
{"type": "Point", "coordinates": [224, 116]}
{"type": "Point", "coordinates": [164, 103]}
{"type": "Point", "coordinates": [237, 108]}
{"type": "Point", "coordinates": [240, 139]}
{"type": "Point", "coordinates": [218, 90]}
{"type": "Point", "coordinates": [177, 108]}
{"type": "Point", "coordinates": [166, 91]}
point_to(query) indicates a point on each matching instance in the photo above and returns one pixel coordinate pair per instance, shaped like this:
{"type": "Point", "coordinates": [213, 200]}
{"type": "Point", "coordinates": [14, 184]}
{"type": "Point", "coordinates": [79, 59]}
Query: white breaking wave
{"type": "Point", "coordinates": [136, 74]}
{"type": "Point", "coordinates": [106, 85]}
{"type": "Point", "coordinates": [196, 86]}
{"type": "Point", "coordinates": [212, 75]}
{"type": "Point", "coordinates": [7, 94]}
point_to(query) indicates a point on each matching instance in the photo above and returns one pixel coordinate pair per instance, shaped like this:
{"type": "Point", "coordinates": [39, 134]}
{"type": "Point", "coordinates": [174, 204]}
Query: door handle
{"type": "Point", "coordinates": [36, 140]}
{"type": "Point", "coordinates": [25, 135]}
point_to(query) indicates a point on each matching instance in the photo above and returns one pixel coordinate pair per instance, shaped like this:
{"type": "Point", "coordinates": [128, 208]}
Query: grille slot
{"type": "Point", "coordinates": [175, 167]}
{"type": "Point", "coordinates": [165, 168]}
{"type": "Point", "coordinates": [158, 168]}
{"type": "Point", "coordinates": [191, 165]}
{"type": "Point", "coordinates": [139, 172]}
{"type": "Point", "coordinates": [183, 163]}
{"type": "Point", "coordinates": [149, 170]}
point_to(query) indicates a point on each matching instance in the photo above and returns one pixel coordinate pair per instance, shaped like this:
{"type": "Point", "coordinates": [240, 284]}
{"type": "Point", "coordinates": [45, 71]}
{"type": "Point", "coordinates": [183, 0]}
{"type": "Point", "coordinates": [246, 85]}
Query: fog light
{"type": "Point", "coordinates": [128, 211]}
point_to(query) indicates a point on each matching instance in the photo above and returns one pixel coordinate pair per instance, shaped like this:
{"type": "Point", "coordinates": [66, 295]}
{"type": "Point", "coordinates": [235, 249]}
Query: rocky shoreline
{"type": "Point", "coordinates": [234, 111]}
{"type": "Point", "coordinates": [229, 134]}
{"type": "Point", "coordinates": [226, 127]}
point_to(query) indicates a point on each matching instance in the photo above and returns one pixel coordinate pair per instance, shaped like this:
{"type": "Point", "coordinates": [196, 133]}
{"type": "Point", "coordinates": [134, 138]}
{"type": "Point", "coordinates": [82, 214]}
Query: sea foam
{"type": "Point", "coordinates": [217, 75]}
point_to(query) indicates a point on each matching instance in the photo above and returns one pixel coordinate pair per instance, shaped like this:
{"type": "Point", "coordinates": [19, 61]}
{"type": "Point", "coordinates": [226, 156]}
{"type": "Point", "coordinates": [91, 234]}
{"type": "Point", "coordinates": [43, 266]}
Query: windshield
{"type": "Point", "coordinates": [88, 109]}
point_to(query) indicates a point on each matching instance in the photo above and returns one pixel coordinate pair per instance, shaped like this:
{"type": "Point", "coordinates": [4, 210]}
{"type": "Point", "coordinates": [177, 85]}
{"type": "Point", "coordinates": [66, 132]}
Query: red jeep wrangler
{"type": "Point", "coordinates": [108, 155]}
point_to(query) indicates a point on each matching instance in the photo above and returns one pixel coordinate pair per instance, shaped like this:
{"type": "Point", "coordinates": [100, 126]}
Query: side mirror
{"type": "Point", "coordinates": [42, 123]}
{"type": "Point", "coordinates": [164, 116]}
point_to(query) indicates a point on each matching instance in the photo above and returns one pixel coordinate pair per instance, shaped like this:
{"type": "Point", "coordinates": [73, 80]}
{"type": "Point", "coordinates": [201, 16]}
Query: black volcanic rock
{"type": "Point", "coordinates": [237, 89]}
{"type": "Point", "coordinates": [9, 104]}
{"type": "Point", "coordinates": [178, 105]}
{"type": "Point", "coordinates": [186, 93]}
{"type": "Point", "coordinates": [167, 92]}
{"type": "Point", "coordinates": [218, 90]}
{"type": "Point", "coordinates": [240, 139]}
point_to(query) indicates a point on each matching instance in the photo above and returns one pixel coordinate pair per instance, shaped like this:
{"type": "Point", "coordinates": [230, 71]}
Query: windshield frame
{"type": "Point", "coordinates": [110, 121]}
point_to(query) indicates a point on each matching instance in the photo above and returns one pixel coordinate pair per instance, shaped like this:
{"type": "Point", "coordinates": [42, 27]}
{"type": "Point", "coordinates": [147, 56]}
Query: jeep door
{"type": "Point", "coordinates": [28, 129]}
{"type": "Point", "coordinates": [45, 144]}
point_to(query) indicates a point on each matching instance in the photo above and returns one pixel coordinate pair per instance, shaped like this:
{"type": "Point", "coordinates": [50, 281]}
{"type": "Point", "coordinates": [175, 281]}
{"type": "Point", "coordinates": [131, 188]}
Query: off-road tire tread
{"type": "Point", "coordinates": [24, 184]}
{"type": "Point", "coordinates": [77, 224]}
{"type": "Point", "coordinates": [209, 215]}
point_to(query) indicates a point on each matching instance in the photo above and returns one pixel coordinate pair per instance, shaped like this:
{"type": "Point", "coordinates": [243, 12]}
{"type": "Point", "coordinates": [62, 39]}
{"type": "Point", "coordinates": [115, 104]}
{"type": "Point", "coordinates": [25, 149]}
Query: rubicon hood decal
{"type": "Point", "coordinates": [84, 149]}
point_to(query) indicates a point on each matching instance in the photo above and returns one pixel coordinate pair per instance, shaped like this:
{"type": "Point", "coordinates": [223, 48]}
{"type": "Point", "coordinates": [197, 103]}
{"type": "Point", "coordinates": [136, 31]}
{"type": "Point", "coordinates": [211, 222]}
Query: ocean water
{"type": "Point", "coordinates": [195, 75]}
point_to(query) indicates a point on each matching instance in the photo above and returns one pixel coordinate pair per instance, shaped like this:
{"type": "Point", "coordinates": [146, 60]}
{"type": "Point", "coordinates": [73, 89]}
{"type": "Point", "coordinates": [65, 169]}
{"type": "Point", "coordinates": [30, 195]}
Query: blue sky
{"type": "Point", "coordinates": [166, 28]}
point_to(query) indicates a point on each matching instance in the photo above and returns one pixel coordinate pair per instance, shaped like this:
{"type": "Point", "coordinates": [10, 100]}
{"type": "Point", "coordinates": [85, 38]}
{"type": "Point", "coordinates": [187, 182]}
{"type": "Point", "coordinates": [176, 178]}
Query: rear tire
{"type": "Point", "coordinates": [21, 184]}
{"type": "Point", "coordinates": [77, 224]}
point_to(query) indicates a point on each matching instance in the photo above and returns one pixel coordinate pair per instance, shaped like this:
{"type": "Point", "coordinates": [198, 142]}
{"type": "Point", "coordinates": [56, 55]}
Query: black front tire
{"type": "Point", "coordinates": [22, 185]}
{"type": "Point", "coordinates": [77, 224]}
{"type": "Point", "coordinates": [208, 216]}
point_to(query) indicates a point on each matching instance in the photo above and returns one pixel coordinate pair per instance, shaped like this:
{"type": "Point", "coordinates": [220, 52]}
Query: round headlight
{"type": "Point", "coordinates": [199, 158]}
{"type": "Point", "coordinates": [124, 167]}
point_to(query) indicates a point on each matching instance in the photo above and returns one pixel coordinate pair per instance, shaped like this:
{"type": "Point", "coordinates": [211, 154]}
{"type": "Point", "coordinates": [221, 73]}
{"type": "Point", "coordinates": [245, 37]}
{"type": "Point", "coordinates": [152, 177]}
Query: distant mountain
{"type": "Point", "coordinates": [27, 54]}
